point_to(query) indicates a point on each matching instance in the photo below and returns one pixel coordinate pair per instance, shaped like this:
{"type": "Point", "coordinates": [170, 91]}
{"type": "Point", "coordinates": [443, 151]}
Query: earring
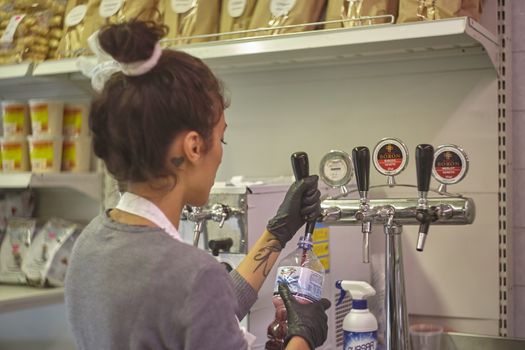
{"type": "Point", "coordinates": [177, 161]}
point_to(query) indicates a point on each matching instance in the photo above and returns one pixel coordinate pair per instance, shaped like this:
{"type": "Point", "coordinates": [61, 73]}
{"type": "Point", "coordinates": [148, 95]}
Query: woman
{"type": "Point", "coordinates": [158, 124]}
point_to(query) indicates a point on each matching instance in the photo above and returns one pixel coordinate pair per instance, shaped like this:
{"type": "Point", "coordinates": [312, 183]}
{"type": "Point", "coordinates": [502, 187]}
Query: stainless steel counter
{"type": "Point", "coordinates": [461, 341]}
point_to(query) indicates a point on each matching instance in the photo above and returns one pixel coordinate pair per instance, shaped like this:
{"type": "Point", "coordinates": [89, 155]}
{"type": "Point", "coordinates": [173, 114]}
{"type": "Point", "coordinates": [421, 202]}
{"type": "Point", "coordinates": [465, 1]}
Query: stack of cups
{"type": "Point", "coordinates": [45, 143]}
{"type": "Point", "coordinates": [13, 145]}
{"type": "Point", "coordinates": [76, 154]}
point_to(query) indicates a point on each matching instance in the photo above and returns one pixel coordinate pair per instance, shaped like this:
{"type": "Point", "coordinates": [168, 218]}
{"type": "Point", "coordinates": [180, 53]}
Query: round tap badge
{"type": "Point", "coordinates": [336, 169]}
{"type": "Point", "coordinates": [450, 164]}
{"type": "Point", "coordinates": [390, 156]}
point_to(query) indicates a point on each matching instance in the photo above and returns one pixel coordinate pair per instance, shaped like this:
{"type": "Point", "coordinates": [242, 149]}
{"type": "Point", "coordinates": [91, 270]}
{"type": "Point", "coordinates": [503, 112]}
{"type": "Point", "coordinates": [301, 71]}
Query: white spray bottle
{"type": "Point", "coordinates": [359, 325]}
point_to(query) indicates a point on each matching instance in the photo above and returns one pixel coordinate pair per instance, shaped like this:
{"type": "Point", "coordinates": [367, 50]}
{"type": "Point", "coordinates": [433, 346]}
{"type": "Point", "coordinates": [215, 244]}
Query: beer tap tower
{"type": "Point", "coordinates": [393, 213]}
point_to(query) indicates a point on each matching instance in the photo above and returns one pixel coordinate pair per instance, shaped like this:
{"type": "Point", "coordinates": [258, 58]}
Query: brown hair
{"type": "Point", "coordinates": [135, 118]}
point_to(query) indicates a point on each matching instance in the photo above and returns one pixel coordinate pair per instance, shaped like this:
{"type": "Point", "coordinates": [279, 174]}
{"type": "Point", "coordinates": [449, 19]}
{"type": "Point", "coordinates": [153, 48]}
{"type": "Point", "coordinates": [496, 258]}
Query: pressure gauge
{"type": "Point", "coordinates": [450, 164]}
{"type": "Point", "coordinates": [336, 169]}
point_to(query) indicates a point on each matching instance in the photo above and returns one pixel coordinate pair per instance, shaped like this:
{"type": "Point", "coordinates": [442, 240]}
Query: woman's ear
{"type": "Point", "coordinates": [186, 149]}
{"type": "Point", "coordinates": [192, 146]}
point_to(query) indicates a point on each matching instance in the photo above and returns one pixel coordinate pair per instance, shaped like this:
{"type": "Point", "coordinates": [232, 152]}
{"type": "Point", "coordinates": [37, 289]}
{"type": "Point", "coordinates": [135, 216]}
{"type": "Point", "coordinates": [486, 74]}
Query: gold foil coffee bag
{"type": "Point", "coordinates": [344, 9]}
{"type": "Point", "coordinates": [235, 16]}
{"type": "Point", "coordinates": [82, 19]}
{"type": "Point", "coordinates": [419, 10]}
{"type": "Point", "coordinates": [275, 13]}
{"type": "Point", "coordinates": [191, 17]}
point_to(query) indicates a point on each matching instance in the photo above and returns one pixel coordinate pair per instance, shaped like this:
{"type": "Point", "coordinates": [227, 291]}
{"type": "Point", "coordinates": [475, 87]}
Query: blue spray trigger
{"type": "Point", "coordinates": [343, 292]}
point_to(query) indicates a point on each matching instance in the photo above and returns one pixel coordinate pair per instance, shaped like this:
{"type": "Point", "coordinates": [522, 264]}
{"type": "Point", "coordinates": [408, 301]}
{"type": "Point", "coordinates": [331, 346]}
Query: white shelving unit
{"type": "Point", "coordinates": [89, 184]}
{"type": "Point", "coordinates": [296, 75]}
{"type": "Point", "coordinates": [14, 298]}
{"type": "Point", "coordinates": [389, 42]}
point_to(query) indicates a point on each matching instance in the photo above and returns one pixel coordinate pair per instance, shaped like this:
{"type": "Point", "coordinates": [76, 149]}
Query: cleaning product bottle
{"type": "Point", "coordinates": [302, 271]}
{"type": "Point", "coordinates": [359, 325]}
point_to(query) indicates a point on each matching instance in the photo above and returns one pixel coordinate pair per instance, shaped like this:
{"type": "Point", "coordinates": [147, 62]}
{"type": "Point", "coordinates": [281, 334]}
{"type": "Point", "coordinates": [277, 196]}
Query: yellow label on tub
{"type": "Point", "coordinates": [69, 155]}
{"type": "Point", "coordinates": [72, 121]}
{"type": "Point", "coordinates": [14, 119]}
{"type": "Point", "coordinates": [12, 154]}
{"type": "Point", "coordinates": [40, 118]}
{"type": "Point", "coordinates": [42, 155]}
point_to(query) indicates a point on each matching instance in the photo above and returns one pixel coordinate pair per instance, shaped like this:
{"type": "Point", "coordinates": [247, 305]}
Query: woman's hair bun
{"type": "Point", "coordinates": [131, 41]}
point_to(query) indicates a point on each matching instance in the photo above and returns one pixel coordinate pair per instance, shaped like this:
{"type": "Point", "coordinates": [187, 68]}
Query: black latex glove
{"type": "Point", "coordinates": [300, 203]}
{"type": "Point", "coordinates": [308, 321]}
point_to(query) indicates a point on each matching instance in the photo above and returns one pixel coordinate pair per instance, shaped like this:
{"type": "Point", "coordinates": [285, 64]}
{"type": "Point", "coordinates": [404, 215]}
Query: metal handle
{"type": "Point", "coordinates": [301, 170]}
{"type": "Point", "coordinates": [300, 165]}
{"type": "Point", "coordinates": [220, 244]}
{"type": "Point", "coordinates": [361, 160]}
{"type": "Point", "coordinates": [424, 162]}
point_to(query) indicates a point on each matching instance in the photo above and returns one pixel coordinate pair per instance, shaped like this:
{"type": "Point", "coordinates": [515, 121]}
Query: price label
{"type": "Point", "coordinates": [10, 30]}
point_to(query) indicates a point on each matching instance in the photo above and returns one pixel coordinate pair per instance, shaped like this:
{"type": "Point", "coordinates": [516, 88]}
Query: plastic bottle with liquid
{"type": "Point", "coordinates": [304, 274]}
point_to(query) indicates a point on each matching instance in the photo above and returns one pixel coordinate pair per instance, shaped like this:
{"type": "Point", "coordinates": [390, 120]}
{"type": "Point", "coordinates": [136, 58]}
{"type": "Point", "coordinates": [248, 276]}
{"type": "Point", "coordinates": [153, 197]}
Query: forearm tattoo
{"type": "Point", "coordinates": [263, 256]}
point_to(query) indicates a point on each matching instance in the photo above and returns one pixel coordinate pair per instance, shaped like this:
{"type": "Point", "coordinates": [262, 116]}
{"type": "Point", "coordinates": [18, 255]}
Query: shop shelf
{"type": "Point", "coordinates": [86, 183]}
{"type": "Point", "coordinates": [451, 37]}
{"type": "Point", "coordinates": [14, 298]}
{"type": "Point", "coordinates": [14, 70]}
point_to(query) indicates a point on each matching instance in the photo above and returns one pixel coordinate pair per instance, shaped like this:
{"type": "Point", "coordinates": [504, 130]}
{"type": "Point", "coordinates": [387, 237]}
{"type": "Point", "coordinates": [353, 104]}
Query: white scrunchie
{"type": "Point", "coordinates": [105, 66]}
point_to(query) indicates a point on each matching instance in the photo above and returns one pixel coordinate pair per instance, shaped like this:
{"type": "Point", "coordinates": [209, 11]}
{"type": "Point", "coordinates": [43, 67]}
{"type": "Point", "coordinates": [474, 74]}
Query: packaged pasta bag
{"type": "Point", "coordinates": [420, 10]}
{"type": "Point", "coordinates": [56, 25]}
{"type": "Point", "coordinates": [28, 33]}
{"type": "Point", "coordinates": [15, 245]}
{"type": "Point", "coordinates": [187, 18]}
{"type": "Point", "coordinates": [46, 243]}
{"type": "Point", "coordinates": [276, 13]}
{"type": "Point", "coordinates": [80, 21]}
{"type": "Point", "coordinates": [56, 274]}
{"type": "Point", "coordinates": [236, 16]}
{"type": "Point", "coordinates": [355, 9]}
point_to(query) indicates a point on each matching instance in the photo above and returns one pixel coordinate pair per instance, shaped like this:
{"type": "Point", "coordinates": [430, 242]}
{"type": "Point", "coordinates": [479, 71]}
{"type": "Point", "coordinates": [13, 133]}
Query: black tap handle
{"type": "Point", "coordinates": [361, 160]}
{"type": "Point", "coordinates": [220, 244]}
{"type": "Point", "coordinates": [424, 162]}
{"type": "Point", "coordinates": [301, 170]}
{"type": "Point", "coordinates": [300, 165]}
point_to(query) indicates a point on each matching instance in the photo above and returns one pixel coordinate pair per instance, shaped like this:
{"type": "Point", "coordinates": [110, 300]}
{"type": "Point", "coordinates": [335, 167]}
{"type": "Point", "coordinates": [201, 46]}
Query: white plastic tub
{"type": "Point", "coordinates": [76, 154]}
{"type": "Point", "coordinates": [46, 117]}
{"type": "Point", "coordinates": [14, 153]}
{"type": "Point", "coordinates": [15, 118]}
{"type": "Point", "coordinates": [45, 153]}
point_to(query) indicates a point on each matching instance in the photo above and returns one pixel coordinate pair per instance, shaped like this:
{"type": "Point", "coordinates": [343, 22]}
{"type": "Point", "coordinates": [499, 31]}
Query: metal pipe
{"type": "Point", "coordinates": [453, 210]}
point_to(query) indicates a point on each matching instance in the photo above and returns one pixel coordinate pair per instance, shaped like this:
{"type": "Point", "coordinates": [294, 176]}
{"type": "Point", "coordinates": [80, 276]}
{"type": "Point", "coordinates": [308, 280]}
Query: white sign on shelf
{"type": "Point", "coordinates": [236, 8]}
{"type": "Point", "coordinates": [182, 6]}
{"type": "Point", "coordinates": [109, 7]}
{"type": "Point", "coordinates": [281, 7]}
{"type": "Point", "coordinates": [75, 16]}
